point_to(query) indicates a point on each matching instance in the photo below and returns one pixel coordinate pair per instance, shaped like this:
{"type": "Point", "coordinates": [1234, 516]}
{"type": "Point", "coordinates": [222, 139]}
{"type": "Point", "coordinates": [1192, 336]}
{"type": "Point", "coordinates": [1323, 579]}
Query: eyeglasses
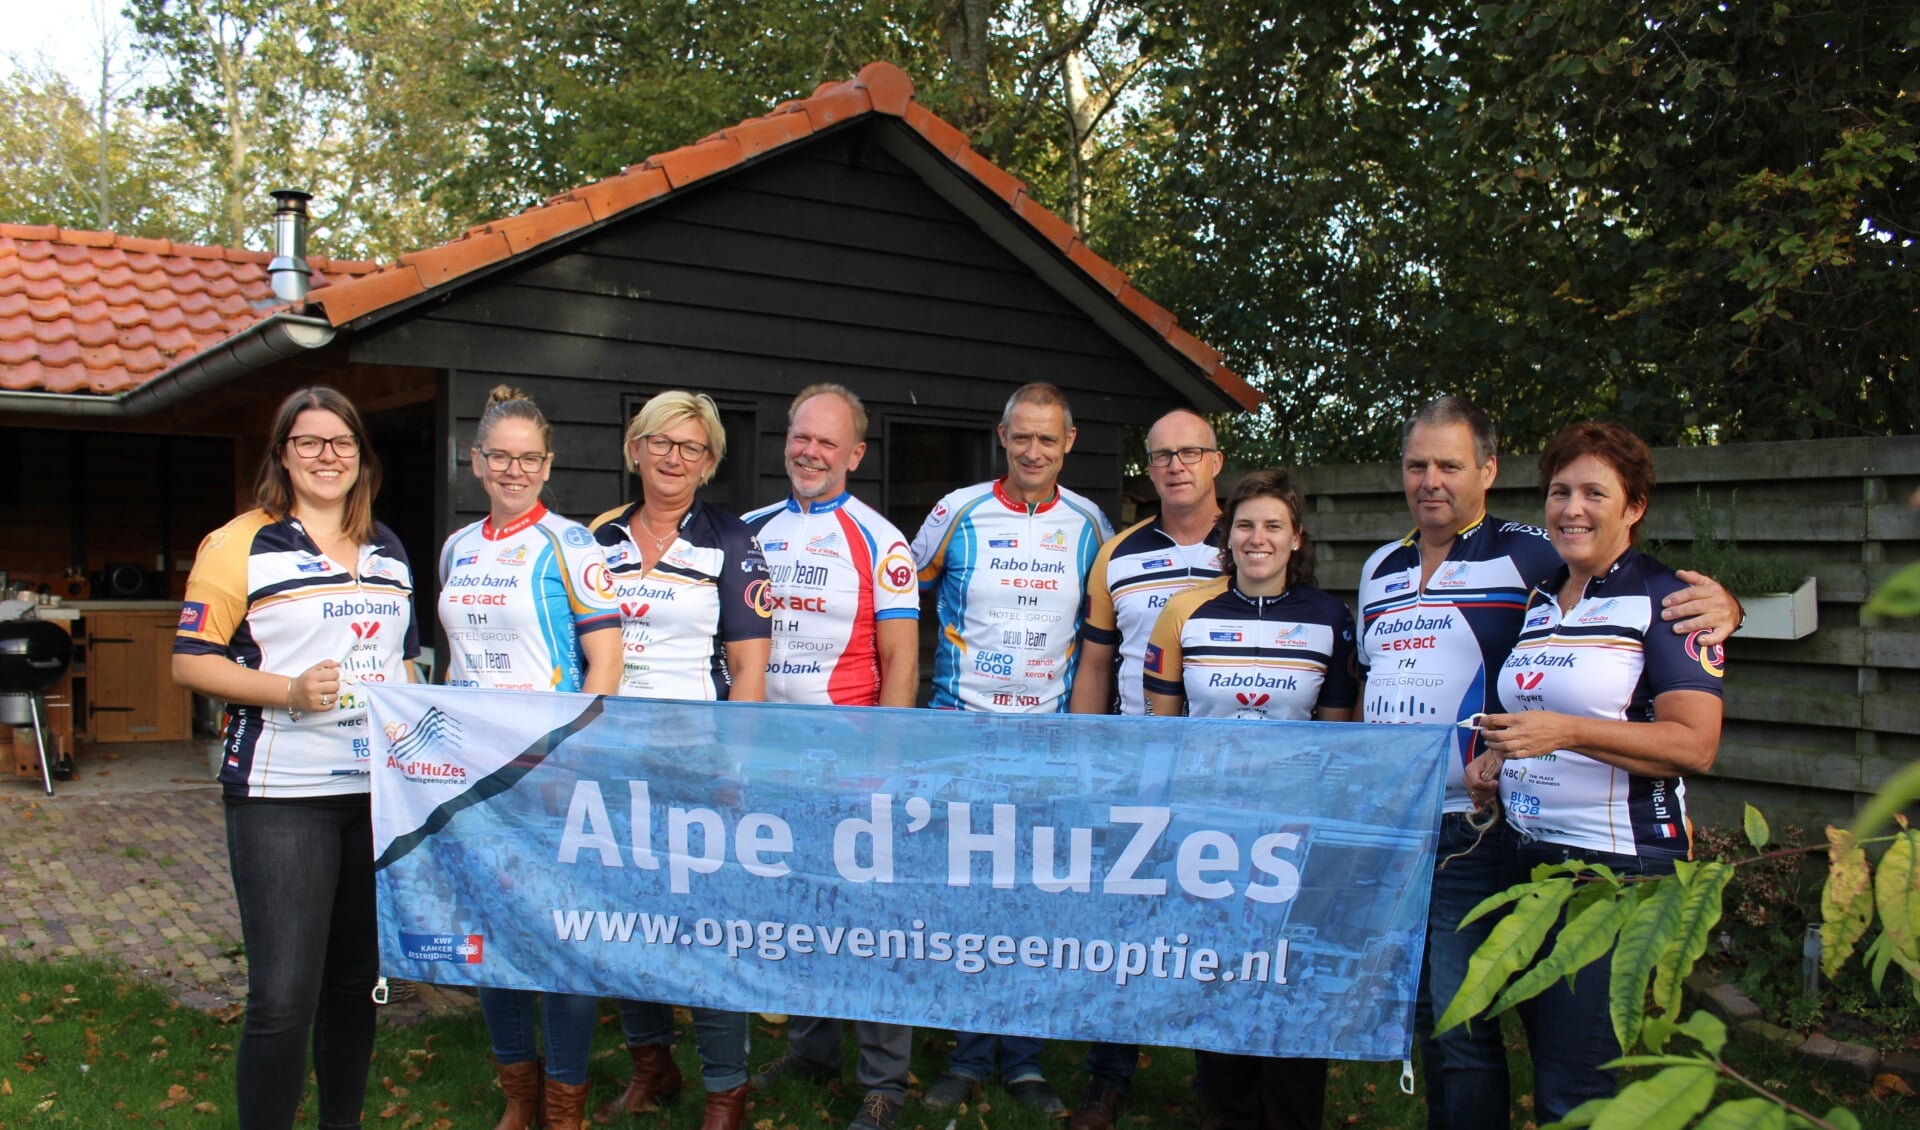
{"type": "Point", "coordinates": [309, 447]}
{"type": "Point", "coordinates": [1188, 455]}
{"type": "Point", "coordinates": [691, 450]}
{"type": "Point", "coordinates": [499, 461]}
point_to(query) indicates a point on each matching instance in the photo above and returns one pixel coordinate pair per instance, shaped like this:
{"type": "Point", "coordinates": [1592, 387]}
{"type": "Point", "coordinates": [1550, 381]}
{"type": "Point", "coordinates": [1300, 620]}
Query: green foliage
{"type": "Point", "coordinates": [1659, 929]}
{"type": "Point", "coordinates": [1742, 573]}
{"type": "Point", "coordinates": [1899, 598]}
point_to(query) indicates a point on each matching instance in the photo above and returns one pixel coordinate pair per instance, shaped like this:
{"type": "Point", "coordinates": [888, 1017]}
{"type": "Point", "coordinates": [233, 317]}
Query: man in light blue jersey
{"type": "Point", "coordinates": [1008, 560]}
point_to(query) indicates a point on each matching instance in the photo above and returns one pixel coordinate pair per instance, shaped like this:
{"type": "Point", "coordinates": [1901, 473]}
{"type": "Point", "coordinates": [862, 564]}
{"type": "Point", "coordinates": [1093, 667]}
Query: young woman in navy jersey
{"type": "Point", "coordinates": [289, 607]}
{"type": "Point", "coordinates": [553, 627]}
{"type": "Point", "coordinates": [1260, 642]}
{"type": "Point", "coordinates": [695, 604]}
{"type": "Point", "coordinates": [1608, 711]}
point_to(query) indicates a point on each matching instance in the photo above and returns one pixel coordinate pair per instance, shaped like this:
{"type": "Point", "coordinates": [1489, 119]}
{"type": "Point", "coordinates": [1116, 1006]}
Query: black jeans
{"type": "Point", "coordinates": [303, 876]}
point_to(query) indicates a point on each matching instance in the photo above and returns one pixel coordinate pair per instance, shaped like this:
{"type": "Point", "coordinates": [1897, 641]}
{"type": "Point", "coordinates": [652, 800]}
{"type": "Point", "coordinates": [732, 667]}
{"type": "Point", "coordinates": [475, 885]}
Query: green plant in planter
{"type": "Point", "coordinates": [1743, 574]}
{"type": "Point", "coordinates": [1652, 932]}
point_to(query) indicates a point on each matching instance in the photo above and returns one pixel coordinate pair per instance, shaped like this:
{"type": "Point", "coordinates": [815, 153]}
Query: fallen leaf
{"type": "Point", "coordinates": [1887, 1084]}
{"type": "Point", "coordinates": [205, 1108]}
{"type": "Point", "coordinates": [6, 1086]}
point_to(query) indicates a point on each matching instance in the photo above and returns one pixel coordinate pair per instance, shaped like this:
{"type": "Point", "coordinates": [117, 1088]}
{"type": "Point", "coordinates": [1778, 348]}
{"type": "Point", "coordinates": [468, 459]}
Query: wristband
{"type": "Point", "coordinates": [292, 714]}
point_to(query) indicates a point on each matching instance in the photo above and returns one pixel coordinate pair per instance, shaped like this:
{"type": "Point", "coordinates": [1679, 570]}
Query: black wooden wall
{"type": "Point", "coordinates": [831, 261]}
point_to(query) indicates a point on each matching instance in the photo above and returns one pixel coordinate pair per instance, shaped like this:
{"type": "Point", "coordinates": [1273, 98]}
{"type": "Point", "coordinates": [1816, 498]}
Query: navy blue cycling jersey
{"type": "Point", "coordinates": [1607, 657]}
{"type": "Point", "coordinates": [1428, 652]}
{"type": "Point", "coordinates": [1236, 656]}
{"type": "Point", "coordinates": [709, 588]}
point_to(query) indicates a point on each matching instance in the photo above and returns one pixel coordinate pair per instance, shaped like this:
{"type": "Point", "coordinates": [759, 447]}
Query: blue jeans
{"type": "Point", "coordinates": [570, 1019]}
{"type": "Point", "coordinates": [1110, 1067]}
{"type": "Point", "coordinates": [303, 878]}
{"type": "Point", "coordinates": [1466, 1066]}
{"type": "Point", "coordinates": [1019, 1057]}
{"type": "Point", "coordinates": [1569, 1030]}
{"type": "Point", "coordinates": [720, 1038]}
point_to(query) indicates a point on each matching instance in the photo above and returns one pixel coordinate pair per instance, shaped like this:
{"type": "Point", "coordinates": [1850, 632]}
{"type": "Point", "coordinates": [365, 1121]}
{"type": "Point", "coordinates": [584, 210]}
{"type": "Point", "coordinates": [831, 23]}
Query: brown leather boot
{"type": "Point", "coordinates": [656, 1081]}
{"type": "Point", "coordinates": [520, 1082]}
{"type": "Point", "coordinates": [726, 1110]}
{"type": "Point", "coordinates": [563, 1106]}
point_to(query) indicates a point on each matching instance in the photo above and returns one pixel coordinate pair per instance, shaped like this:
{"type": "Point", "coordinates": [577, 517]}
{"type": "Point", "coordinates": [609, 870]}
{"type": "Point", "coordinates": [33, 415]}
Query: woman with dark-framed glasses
{"type": "Point", "coordinates": [550, 624]}
{"type": "Point", "coordinates": [695, 601]}
{"type": "Point", "coordinates": [254, 634]}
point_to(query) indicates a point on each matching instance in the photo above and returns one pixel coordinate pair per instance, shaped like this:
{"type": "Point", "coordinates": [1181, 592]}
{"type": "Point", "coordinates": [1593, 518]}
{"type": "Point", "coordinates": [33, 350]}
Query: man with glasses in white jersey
{"type": "Point", "coordinates": [845, 633]}
{"type": "Point", "coordinates": [1008, 560]}
{"type": "Point", "coordinates": [1439, 610]}
{"type": "Point", "coordinates": [1131, 581]}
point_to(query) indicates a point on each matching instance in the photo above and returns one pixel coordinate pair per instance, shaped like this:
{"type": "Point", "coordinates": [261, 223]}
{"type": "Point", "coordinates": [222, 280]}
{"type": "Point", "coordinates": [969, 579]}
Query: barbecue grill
{"type": "Point", "coordinates": [33, 656]}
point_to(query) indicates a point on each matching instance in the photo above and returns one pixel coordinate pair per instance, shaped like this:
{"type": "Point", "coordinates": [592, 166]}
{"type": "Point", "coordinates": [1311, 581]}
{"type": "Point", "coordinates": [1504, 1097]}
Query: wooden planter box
{"type": "Point", "coordinates": [1783, 616]}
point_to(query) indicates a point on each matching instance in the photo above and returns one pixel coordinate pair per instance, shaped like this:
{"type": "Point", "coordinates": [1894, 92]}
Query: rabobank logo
{"type": "Point", "coordinates": [337, 609]}
{"type": "Point", "coordinates": [1015, 565]}
{"type": "Point", "coordinates": [1158, 563]}
{"type": "Point", "coordinates": [1401, 585]}
{"type": "Point", "coordinates": [469, 559]}
{"type": "Point", "coordinates": [1224, 637]}
{"type": "Point", "coordinates": [774, 546]}
{"type": "Point", "coordinates": [1003, 543]}
{"type": "Point", "coordinates": [460, 949]}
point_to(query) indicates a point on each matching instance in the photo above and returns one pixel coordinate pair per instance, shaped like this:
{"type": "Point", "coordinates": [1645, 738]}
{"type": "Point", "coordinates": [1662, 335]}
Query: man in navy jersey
{"type": "Point", "coordinates": [1439, 610]}
{"type": "Point", "coordinates": [1136, 573]}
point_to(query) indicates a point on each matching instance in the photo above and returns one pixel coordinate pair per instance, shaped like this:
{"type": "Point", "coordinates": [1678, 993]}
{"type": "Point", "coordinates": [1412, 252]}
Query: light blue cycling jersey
{"type": "Point", "coordinates": [1011, 579]}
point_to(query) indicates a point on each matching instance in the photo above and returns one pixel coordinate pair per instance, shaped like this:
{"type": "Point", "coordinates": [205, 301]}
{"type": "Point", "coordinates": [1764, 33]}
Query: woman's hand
{"type": "Point", "coordinates": [1530, 733]}
{"type": "Point", "coordinates": [1483, 779]}
{"type": "Point", "coordinates": [315, 689]}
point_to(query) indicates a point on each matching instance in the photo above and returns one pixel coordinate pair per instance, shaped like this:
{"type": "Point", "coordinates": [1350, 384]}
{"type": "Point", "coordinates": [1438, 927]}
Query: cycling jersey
{"type": "Point", "coordinates": [1010, 578]}
{"type": "Point", "coordinates": [1237, 656]}
{"type": "Point", "coordinates": [708, 589]}
{"type": "Point", "coordinates": [1427, 653]}
{"type": "Point", "coordinates": [1609, 657]}
{"type": "Point", "coordinates": [838, 569]}
{"type": "Point", "coordinates": [515, 601]}
{"type": "Point", "coordinates": [1131, 581]}
{"type": "Point", "coordinates": [263, 595]}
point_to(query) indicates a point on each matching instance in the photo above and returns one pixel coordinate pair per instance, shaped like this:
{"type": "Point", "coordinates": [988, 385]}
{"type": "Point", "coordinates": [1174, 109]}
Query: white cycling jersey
{"type": "Point", "coordinates": [515, 601]}
{"type": "Point", "coordinates": [1430, 653]}
{"type": "Point", "coordinates": [838, 569]}
{"type": "Point", "coordinates": [1609, 657]}
{"type": "Point", "coordinates": [263, 594]}
{"type": "Point", "coordinates": [1011, 579]}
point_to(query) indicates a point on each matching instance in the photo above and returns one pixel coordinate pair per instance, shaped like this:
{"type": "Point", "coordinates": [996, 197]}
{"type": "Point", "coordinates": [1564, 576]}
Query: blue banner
{"type": "Point", "coordinates": [1251, 886]}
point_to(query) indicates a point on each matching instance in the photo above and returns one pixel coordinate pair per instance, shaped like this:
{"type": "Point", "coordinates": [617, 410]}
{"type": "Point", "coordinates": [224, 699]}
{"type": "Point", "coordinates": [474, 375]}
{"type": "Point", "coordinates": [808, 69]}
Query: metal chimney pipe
{"type": "Point", "coordinates": [289, 272]}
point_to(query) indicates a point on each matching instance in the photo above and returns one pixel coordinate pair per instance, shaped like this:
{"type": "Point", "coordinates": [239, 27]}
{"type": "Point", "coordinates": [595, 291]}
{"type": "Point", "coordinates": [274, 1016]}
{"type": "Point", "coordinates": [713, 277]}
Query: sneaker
{"type": "Point", "coordinates": [1101, 1111]}
{"type": "Point", "coordinates": [877, 1112]}
{"type": "Point", "coordinates": [790, 1066]}
{"type": "Point", "coordinates": [1037, 1094]}
{"type": "Point", "coordinates": [949, 1090]}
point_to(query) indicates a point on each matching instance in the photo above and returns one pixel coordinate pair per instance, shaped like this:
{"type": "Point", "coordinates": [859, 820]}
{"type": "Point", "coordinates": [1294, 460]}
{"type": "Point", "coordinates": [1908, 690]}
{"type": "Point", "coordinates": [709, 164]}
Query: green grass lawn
{"type": "Point", "coordinates": [88, 1046]}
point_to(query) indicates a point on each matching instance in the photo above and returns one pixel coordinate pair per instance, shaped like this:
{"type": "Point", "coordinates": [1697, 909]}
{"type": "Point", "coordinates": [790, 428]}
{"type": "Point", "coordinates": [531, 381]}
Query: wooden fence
{"type": "Point", "coordinates": [1814, 725]}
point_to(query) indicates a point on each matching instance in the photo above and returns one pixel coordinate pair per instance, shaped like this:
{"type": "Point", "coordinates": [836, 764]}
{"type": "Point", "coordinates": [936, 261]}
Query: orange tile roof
{"type": "Point", "coordinates": [879, 88]}
{"type": "Point", "coordinates": [94, 312]}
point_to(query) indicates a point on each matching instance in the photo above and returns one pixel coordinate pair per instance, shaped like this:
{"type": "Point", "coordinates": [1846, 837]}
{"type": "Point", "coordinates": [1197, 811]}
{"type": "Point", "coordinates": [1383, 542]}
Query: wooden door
{"type": "Point", "coordinates": [130, 689]}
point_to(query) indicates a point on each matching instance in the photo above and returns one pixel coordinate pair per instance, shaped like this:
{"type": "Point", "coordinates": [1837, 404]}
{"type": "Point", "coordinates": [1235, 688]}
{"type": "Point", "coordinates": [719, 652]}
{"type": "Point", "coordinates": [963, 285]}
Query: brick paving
{"type": "Point", "coordinates": [138, 878]}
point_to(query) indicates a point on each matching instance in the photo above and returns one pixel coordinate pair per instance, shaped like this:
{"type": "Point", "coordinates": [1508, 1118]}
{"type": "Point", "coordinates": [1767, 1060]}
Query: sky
{"type": "Point", "coordinates": [61, 31]}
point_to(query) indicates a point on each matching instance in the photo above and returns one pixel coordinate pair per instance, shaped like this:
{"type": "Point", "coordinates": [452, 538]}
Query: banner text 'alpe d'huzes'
{"type": "Point", "coordinates": [1243, 886]}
